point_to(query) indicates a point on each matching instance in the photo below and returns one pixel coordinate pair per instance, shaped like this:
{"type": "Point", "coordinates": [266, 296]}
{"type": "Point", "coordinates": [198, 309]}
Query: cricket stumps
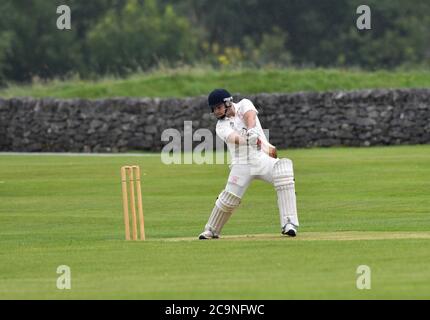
{"type": "Point", "coordinates": [130, 181]}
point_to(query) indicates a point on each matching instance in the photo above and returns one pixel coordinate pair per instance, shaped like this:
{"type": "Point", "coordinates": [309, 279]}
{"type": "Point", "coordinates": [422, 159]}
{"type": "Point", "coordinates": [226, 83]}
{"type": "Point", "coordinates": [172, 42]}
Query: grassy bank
{"type": "Point", "coordinates": [195, 82]}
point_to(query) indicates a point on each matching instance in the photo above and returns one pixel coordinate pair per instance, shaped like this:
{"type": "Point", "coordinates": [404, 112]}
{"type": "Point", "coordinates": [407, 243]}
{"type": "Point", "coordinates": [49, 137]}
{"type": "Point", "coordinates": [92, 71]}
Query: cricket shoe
{"type": "Point", "coordinates": [208, 234]}
{"type": "Point", "coordinates": [289, 230]}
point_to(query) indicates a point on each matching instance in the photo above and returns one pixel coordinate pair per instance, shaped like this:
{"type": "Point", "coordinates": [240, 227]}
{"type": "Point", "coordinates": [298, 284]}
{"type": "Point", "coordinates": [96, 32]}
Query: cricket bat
{"type": "Point", "coordinates": [267, 148]}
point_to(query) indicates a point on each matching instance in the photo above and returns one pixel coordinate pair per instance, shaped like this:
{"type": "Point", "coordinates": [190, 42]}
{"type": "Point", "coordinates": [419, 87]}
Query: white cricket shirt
{"type": "Point", "coordinates": [240, 154]}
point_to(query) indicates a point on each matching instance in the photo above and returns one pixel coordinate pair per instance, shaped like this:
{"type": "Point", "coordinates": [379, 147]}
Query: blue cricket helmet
{"type": "Point", "coordinates": [219, 96]}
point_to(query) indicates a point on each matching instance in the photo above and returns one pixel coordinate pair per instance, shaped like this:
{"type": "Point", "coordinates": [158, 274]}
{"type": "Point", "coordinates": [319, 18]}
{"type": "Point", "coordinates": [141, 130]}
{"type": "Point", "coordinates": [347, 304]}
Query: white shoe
{"type": "Point", "coordinates": [289, 230]}
{"type": "Point", "coordinates": [208, 234]}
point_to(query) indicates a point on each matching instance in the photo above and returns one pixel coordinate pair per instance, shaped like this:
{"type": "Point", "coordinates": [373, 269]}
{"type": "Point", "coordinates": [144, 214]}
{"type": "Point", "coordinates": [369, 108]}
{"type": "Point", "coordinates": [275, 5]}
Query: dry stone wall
{"type": "Point", "coordinates": [356, 118]}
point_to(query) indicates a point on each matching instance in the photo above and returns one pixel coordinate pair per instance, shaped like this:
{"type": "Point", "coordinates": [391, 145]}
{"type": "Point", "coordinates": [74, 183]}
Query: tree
{"type": "Point", "coordinates": [139, 36]}
{"type": "Point", "coordinates": [399, 36]}
{"type": "Point", "coordinates": [36, 47]}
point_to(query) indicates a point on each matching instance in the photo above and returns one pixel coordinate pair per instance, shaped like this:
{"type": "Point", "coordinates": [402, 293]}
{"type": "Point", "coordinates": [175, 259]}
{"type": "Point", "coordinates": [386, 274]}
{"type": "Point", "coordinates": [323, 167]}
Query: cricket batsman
{"type": "Point", "coordinates": [252, 157]}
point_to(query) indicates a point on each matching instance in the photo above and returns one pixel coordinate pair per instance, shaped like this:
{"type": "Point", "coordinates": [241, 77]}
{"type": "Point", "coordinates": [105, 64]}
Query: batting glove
{"type": "Point", "coordinates": [253, 137]}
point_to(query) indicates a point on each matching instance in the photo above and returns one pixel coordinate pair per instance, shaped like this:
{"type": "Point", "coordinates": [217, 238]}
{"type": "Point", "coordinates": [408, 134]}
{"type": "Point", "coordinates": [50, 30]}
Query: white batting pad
{"type": "Point", "coordinates": [222, 211]}
{"type": "Point", "coordinates": [283, 180]}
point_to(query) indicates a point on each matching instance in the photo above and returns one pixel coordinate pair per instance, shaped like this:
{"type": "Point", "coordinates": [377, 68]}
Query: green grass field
{"type": "Point", "coordinates": [367, 206]}
{"type": "Point", "coordinates": [198, 81]}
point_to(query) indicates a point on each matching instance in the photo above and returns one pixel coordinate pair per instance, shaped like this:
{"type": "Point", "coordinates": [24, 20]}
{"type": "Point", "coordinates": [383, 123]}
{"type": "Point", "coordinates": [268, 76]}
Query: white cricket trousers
{"type": "Point", "coordinates": [241, 175]}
